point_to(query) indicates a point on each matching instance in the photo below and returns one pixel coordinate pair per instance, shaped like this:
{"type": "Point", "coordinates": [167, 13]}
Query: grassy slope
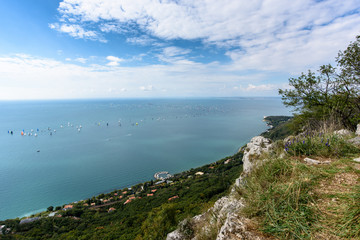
{"type": "Point", "coordinates": [287, 198]}
{"type": "Point", "coordinates": [290, 199]}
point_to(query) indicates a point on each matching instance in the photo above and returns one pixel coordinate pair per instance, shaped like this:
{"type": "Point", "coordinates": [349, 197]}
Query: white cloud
{"type": "Point", "coordinates": [108, 27]}
{"type": "Point", "coordinates": [274, 35]}
{"type": "Point", "coordinates": [146, 88]}
{"type": "Point", "coordinates": [175, 51]}
{"type": "Point", "coordinates": [77, 31]}
{"type": "Point", "coordinates": [174, 54]}
{"type": "Point", "coordinates": [142, 41]}
{"type": "Point", "coordinates": [256, 88]}
{"type": "Point", "coordinates": [114, 61]}
{"type": "Point", "coordinates": [44, 78]}
{"type": "Point", "coordinates": [138, 57]}
{"type": "Point", "coordinates": [297, 51]}
{"type": "Point", "coordinates": [81, 60]}
{"type": "Point", "coordinates": [210, 19]}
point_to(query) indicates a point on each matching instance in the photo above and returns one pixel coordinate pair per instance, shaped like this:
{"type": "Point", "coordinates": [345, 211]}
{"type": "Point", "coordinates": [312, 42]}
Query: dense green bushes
{"type": "Point", "coordinates": [146, 217]}
{"type": "Point", "coordinates": [319, 144]}
{"type": "Point", "coordinates": [280, 127]}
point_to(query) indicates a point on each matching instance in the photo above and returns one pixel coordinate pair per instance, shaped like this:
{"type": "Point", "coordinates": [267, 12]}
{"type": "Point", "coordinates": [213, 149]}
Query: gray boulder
{"type": "Point", "coordinates": [358, 130]}
{"type": "Point", "coordinates": [254, 148]}
{"type": "Point", "coordinates": [236, 228]}
{"type": "Point", "coordinates": [315, 162]}
{"type": "Point", "coordinates": [355, 140]}
{"type": "Point", "coordinates": [343, 132]}
{"type": "Point", "coordinates": [175, 235]}
{"type": "Point", "coordinates": [224, 214]}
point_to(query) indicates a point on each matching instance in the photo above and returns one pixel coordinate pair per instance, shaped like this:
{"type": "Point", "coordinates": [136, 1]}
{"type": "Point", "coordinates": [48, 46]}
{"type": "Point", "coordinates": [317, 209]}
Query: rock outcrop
{"type": "Point", "coordinates": [224, 216]}
{"type": "Point", "coordinates": [343, 132]}
{"type": "Point", "coordinates": [237, 227]}
{"type": "Point", "coordinates": [257, 146]}
{"type": "Point", "coordinates": [358, 130]}
{"type": "Point", "coordinates": [254, 148]}
{"type": "Point", "coordinates": [355, 141]}
{"type": "Point", "coordinates": [176, 235]}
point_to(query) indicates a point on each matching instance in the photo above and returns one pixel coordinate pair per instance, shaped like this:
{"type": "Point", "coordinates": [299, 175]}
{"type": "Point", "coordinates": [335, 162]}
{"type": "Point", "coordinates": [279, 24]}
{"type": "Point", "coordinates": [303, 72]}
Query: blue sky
{"type": "Point", "coordinates": [151, 48]}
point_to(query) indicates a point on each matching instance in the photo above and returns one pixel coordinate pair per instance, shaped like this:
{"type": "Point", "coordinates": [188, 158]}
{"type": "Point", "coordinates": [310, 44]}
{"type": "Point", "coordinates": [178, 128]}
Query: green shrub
{"type": "Point", "coordinates": [318, 144]}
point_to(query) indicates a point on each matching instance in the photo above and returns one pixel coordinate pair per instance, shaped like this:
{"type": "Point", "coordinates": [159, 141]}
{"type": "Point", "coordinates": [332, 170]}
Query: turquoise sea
{"type": "Point", "coordinates": [73, 150]}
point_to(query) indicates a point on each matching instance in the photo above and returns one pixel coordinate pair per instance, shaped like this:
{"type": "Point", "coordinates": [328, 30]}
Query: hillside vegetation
{"type": "Point", "coordinates": [332, 96]}
{"type": "Point", "coordinates": [280, 127]}
{"type": "Point", "coordinates": [145, 211]}
{"type": "Point", "coordinates": [290, 198]}
{"type": "Point", "coordinates": [308, 187]}
{"type": "Point", "coordinates": [304, 186]}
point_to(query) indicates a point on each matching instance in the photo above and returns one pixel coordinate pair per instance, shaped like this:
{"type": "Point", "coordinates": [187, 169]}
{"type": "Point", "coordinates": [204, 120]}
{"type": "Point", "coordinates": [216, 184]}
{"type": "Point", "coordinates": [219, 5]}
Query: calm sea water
{"type": "Point", "coordinates": [84, 148]}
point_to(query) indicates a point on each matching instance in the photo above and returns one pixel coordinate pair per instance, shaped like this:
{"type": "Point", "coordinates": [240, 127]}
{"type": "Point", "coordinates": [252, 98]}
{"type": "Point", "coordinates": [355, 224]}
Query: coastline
{"type": "Point", "coordinates": [189, 191]}
{"type": "Point", "coordinates": [204, 131]}
{"type": "Point", "coordinates": [178, 190]}
{"type": "Point", "coordinates": [40, 211]}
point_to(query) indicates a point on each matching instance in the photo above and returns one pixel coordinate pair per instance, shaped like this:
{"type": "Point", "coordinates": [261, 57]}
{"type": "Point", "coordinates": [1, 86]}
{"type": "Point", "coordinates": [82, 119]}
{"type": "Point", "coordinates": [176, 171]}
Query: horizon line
{"type": "Point", "coordinates": [130, 98]}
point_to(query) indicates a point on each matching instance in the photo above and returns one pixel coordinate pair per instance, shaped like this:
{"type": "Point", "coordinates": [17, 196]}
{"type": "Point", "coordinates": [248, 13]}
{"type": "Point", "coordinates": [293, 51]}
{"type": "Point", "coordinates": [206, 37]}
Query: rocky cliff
{"type": "Point", "coordinates": [223, 220]}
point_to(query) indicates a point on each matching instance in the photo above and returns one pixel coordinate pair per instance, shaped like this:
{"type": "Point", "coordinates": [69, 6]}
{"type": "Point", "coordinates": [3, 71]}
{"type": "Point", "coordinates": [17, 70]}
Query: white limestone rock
{"type": "Point", "coordinates": [358, 130]}
{"type": "Point", "coordinates": [355, 140]}
{"type": "Point", "coordinates": [343, 132]}
{"type": "Point", "coordinates": [238, 182]}
{"type": "Point", "coordinates": [357, 159]}
{"type": "Point", "coordinates": [175, 235]}
{"type": "Point", "coordinates": [236, 228]}
{"type": "Point", "coordinates": [226, 205]}
{"type": "Point", "coordinates": [216, 215]}
{"type": "Point", "coordinates": [315, 162]}
{"type": "Point", "coordinates": [226, 208]}
{"type": "Point", "coordinates": [255, 147]}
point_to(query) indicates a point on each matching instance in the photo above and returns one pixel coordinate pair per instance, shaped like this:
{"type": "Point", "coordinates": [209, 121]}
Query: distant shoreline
{"type": "Point", "coordinates": [128, 98]}
{"type": "Point", "coordinates": [31, 212]}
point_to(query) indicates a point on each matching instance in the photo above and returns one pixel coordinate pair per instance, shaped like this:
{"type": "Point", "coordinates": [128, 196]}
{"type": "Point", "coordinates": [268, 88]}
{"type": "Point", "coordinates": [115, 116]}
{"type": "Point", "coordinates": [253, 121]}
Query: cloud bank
{"type": "Point", "coordinates": [272, 35]}
{"type": "Point", "coordinates": [258, 44]}
{"type": "Point", "coordinates": [44, 78]}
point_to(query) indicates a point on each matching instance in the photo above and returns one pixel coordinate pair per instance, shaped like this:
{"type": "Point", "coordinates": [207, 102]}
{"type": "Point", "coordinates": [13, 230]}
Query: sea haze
{"type": "Point", "coordinates": [120, 143]}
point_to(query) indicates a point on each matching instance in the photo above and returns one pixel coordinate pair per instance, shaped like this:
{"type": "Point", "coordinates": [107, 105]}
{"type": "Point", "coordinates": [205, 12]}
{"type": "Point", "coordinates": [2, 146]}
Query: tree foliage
{"type": "Point", "coordinates": [145, 217]}
{"type": "Point", "coordinates": [331, 94]}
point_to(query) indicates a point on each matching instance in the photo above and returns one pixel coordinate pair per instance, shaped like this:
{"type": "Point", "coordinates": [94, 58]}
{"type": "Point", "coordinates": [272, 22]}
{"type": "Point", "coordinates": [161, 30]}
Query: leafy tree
{"type": "Point", "coordinates": [349, 62]}
{"type": "Point", "coordinates": [332, 94]}
{"type": "Point", "coordinates": [51, 208]}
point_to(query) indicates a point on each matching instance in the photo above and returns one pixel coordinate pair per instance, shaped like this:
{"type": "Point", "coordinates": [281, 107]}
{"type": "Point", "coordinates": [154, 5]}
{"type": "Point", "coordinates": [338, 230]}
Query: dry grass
{"type": "Point", "coordinates": [329, 195]}
{"type": "Point", "coordinates": [333, 198]}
